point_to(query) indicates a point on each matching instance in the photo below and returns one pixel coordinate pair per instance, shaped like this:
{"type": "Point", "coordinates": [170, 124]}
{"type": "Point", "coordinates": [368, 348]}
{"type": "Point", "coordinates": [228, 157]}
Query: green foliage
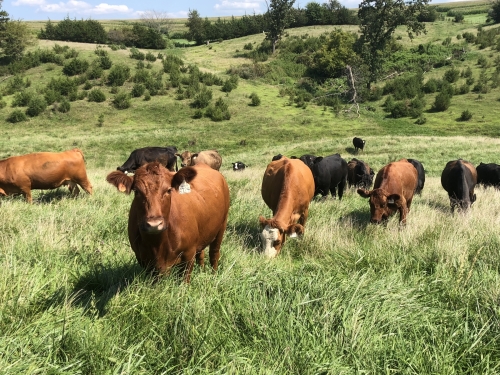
{"type": "Point", "coordinates": [248, 46]}
{"type": "Point", "coordinates": [64, 106]}
{"type": "Point", "coordinates": [431, 86]}
{"type": "Point", "coordinates": [196, 27]}
{"type": "Point", "coordinates": [404, 87]}
{"type": "Point", "coordinates": [136, 54]}
{"type": "Point", "coordinates": [138, 90]}
{"type": "Point", "coordinates": [279, 17]}
{"type": "Point", "coordinates": [121, 100]}
{"type": "Point", "coordinates": [118, 74]}
{"type": "Point", "coordinates": [75, 66]}
{"type": "Point", "coordinates": [71, 54]}
{"type": "Point", "coordinates": [452, 75]}
{"type": "Point", "coordinates": [494, 12]}
{"type": "Point", "coordinates": [16, 116]}
{"type": "Point", "coordinates": [254, 99]}
{"type": "Point", "coordinates": [64, 85]}
{"type": "Point", "coordinates": [147, 95]}
{"type": "Point", "coordinates": [52, 96]}
{"type": "Point", "coordinates": [95, 71]}
{"type": "Point", "coordinates": [467, 73]}
{"type": "Point", "coordinates": [219, 111]}
{"type": "Point", "coordinates": [105, 62]}
{"type": "Point", "coordinates": [230, 84]}
{"type": "Point", "coordinates": [100, 120]}
{"type": "Point", "coordinates": [99, 51]}
{"type": "Point", "coordinates": [469, 37]}
{"type": "Point", "coordinates": [15, 37]}
{"type": "Point", "coordinates": [60, 49]}
{"type": "Point", "coordinates": [36, 106]}
{"type": "Point", "coordinates": [96, 95]}
{"type": "Point", "coordinates": [198, 114]}
{"type": "Point", "coordinates": [466, 115]}
{"type": "Point", "coordinates": [22, 98]}
{"type": "Point", "coordinates": [442, 102]}
{"type": "Point", "coordinates": [202, 98]}
{"type": "Point", "coordinates": [3, 104]}
{"type": "Point", "coordinates": [16, 84]}
{"type": "Point", "coordinates": [83, 31]}
{"type": "Point", "coordinates": [459, 18]}
{"type": "Point", "coordinates": [150, 56]}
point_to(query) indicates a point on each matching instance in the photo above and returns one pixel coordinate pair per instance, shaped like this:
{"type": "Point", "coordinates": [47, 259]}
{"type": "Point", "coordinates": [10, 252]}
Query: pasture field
{"type": "Point", "coordinates": [346, 298]}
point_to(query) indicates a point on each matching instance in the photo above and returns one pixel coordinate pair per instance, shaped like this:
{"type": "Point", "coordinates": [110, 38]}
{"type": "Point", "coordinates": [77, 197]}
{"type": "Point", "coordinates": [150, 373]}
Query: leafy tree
{"type": "Point", "coordinates": [196, 28]}
{"type": "Point", "coordinates": [378, 21]}
{"type": "Point", "coordinates": [14, 38]}
{"type": "Point", "coordinates": [494, 12]}
{"type": "Point", "coordinates": [314, 13]}
{"type": "Point", "coordinates": [278, 18]}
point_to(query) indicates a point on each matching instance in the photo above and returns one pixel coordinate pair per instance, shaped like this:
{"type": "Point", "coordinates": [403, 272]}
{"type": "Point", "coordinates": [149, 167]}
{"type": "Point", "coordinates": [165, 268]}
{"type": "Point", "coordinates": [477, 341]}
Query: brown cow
{"type": "Point", "coordinates": [174, 216]}
{"type": "Point", "coordinates": [210, 157]}
{"type": "Point", "coordinates": [43, 170]}
{"type": "Point", "coordinates": [287, 189]}
{"type": "Point", "coordinates": [393, 191]}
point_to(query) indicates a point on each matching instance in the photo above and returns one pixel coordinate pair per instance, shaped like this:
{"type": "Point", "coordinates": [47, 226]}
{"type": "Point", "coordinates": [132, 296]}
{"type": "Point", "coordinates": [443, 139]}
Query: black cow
{"type": "Point", "coordinates": [307, 159]}
{"type": "Point", "coordinates": [330, 173]}
{"type": "Point", "coordinates": [358, 144]}
{"type": "Point", "coordinates": [359, 174]}
{"type": "Point", "coordinates": [459, 178]}
{"type": "Point", "coordinates": [238, 166]}
{"type": "Point", "coordinates": [488, 175]}
{"type": "Point", "coordinates": [164, 155]}
{"type": "Point", "coordinates": [421, 174]}
{"type": "Point", "coordinates": [277, 157]}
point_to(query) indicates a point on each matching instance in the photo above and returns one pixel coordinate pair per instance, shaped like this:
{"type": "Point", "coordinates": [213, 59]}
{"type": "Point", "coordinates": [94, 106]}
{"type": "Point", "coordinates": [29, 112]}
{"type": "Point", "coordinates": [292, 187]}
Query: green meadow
{"type": "Point", "coordinates": [348, 297]}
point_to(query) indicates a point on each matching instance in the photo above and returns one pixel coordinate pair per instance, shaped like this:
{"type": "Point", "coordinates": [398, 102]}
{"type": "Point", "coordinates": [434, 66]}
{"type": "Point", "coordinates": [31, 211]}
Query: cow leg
{"type": "Point", "coordinates": [342, 187]}
{"type": "Point", "coordinates": [303, 217]}
{"type": "Point", "coordinates": [200, 258]}
{"type": "Point", "coordinates": [27, 194]}
{"type": "Point", "coordinates": [86, 185]}
{"type": "Point", "coordinates": [188, 269]}
{"type": "Point", "coordinates": [214, 250]}
{"type": "Point", "coordinates": [73, 188]}
{"type": "Point", "coordinates": [333, 191]}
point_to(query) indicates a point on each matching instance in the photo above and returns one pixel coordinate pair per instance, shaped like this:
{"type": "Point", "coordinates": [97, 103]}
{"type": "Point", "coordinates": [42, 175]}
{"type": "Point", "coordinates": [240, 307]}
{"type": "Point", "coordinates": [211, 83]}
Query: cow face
{"type": "Point", "coordinates": [187, 158]}
{"type": "Point", "coordinates": [382, 205]}
{"type": "Point", "coordinates": [273, 238]}
{"type": "Point", "coordinates": [308, 160]}
{"type": "Point", "coordinates": [238, 166]}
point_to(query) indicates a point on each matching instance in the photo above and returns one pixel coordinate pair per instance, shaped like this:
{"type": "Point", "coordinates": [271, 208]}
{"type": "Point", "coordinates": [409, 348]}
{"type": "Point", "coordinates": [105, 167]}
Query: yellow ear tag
{"type": "Point", "coordinates": [184, 188]}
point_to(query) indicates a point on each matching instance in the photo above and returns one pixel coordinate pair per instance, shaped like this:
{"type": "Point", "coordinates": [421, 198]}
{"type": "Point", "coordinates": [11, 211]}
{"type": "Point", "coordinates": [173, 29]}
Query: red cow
{"type": "Point", "coordinates": [287, 189]}
{"type": "Point", "coordinates": [209, 157]}
{"type": "Point", "coordinates": [175, 216]}
{"type": "Point", "coordinates": [393, 191]}
{"type": "Point", "coordinates": [43, 170]}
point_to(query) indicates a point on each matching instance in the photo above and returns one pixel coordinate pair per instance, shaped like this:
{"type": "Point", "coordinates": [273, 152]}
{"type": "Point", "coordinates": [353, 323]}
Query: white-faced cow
{"type": "Point", "coordinates": [175, 216]}
{"type": "Point", "coordinates": [459, 177]}
{"type": "Point", "coordinates": [392, 192]}
{"type": "Point", "coordinates": [43, 170]}
{"type": "Point", "coordinates": [164, 155]}
{"type": "Point", "coordinates": [488, 175]}
{"type": "Point", "coordinates": [359, 174]}
{"type": "Point", "coordinates": [287, 189]}
{"type": "Point", "coordinates": [358, 143]}
{"type": "Point", "coordinates": [239, 166]}
{"type": "Point", "coordinates": [210, 157]}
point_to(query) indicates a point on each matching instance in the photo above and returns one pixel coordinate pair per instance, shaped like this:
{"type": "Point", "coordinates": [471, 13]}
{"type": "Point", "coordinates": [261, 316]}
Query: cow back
{"type": "Point", "coordinates": [399, 177]}
{"type": "Point", "coordinates": [459, 177]}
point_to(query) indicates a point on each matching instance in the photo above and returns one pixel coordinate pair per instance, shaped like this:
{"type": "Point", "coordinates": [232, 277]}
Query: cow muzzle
{"type": "Point", "coordinates": [154, 224]}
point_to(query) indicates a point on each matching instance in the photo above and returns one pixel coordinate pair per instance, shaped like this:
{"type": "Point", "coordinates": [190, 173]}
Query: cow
{"type": "Point", "coordinates": [393, 191]}
{"type": "Point", "coordinates": [359, 174]}
{"type": "Point", "coordinates": [175, 216]}
{"type": "Point", "coordinates": [141, 156]}
{"type": "Point", "coordinates": [209, 157]}
{"type": "Point", "coordinates": [459, 177]}
{"type": "Point", "coordinates": [330, 173]}
{"type": "Point", "coordinates": [238, 166]}
{"type": "Point", "coordinates": [421, 175]}
{"type": "Point", "coordinates": [358, 143]}
{"type": "Point", "coordinates": [43, 170]}
{"type": "Point", "coordinates": [488, 175]}
{"type": "Point", "coordinates": [287, 189]}
{"type": "Point", "coordinates": [307, 159]}
{"type": "Point", "coordinates": [276, 157]}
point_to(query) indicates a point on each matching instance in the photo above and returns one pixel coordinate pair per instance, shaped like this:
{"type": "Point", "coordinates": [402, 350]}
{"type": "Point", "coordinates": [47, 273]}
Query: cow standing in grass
{"type": "Point", "coordinates": [459, 177]}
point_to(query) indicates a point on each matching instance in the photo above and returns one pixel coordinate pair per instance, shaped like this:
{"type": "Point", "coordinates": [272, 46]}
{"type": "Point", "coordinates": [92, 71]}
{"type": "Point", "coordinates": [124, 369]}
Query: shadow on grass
{"type": "Point", "coordinates": [249, 235]}
{"type": "Point", "coordinates": [360, 219]}
{"type": "Point", "coordinates": [351, 151]}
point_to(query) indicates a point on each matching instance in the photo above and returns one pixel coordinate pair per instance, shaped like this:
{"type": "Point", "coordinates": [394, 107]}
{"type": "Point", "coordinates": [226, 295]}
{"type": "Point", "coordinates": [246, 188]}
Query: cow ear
{"type": "Point", "coordinates": [364, 193]}
{"type": "Point", "coordinates": [194, 156]}
{"type": "Point", "coordinates": [185, 174]}
{"type": "Point", "coordinates": [177, 154]}
{"type": "Point", "coordinates": [394, 200]}
{"type": "Point", "coordinates": [121, 181]}
{"type": "Point", "coordinates": [293, 157]}
{"type": "Point", "coordinates": [318, 159]}
{"type": "Point", "coordinates": [295, 230]}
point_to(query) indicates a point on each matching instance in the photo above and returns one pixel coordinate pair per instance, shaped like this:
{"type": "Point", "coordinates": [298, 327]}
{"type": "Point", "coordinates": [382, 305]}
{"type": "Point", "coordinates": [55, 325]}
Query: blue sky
{"type": "Point", "coordinates": [42, 10]}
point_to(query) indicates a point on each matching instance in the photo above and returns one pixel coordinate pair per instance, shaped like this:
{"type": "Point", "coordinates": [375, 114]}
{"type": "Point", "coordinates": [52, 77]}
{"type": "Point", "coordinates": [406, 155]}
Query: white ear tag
{"type": "Point", "coordinates": [390, 201]}
{"type": "Point", "coordinates": [293, 235]}
{"type": "Point", "coordinates": [184, 188]}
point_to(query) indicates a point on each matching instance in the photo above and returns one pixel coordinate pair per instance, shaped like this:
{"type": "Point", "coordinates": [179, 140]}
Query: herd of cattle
{"type": "Point", "coordinates": [177, 212]}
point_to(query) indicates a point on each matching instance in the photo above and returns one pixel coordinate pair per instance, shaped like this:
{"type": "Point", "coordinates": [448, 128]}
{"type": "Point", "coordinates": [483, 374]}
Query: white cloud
{"type": "Point", "coordinates": [75, 7]}
{"type": "Point", "coordinates": [238, 5]}
{"type": "Point", "coordinates": [28, 2]}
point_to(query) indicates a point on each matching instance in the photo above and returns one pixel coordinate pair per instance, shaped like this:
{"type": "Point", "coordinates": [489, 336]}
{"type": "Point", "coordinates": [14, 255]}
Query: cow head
{"type": "Point", "coordinates": [153, 186]}
{"type": "Point", "coordinates": [383, 205]}
{"type": "Point", "coordinates": [187, 158]}
{"type": "Point", "coordinates": [273, 236]}
{"type": "Point", "coordinates": [309, 160]}
{"type": "Point", "coordinates": [238, 166]}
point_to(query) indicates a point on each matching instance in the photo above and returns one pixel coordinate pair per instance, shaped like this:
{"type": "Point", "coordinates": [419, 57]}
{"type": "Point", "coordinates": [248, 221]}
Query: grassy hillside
{"type": "Point", "coordinates": [346, 298]}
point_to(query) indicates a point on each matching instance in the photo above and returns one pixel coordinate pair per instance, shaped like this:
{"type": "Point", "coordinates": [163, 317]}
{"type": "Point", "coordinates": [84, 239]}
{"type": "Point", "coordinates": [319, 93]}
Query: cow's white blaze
{"type": "Point", "coordinates": [268, 236]}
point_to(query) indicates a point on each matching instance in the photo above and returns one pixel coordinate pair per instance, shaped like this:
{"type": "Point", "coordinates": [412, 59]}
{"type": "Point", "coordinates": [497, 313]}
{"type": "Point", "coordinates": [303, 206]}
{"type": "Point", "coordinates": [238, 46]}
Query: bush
{"type": "Point", "coordinates": [467, 73]}
{"type": "Point", "coordinates": [3, 104]}
{"type": "Point", "coordinates": [469, 37]}
{"type": "Point", "coordinates": [202, 98]}
{"type": "Point", "coordinates": [452, 75]}
{"type": "Point", "coordinates": [421, 120]}
{"type": "Point", "coordinates": [16, 116]}
{"type": "Point", "coordinates": [36, 106]}
{"type": "Point", "coordinates": [219, 111]}
{"type": "Point", "coordinates": [95, 72]}
{"type": "Point", "coordinates": [60, 49]}
{"type": "Point", "coordinates": [71, 54]}
{"type": "Point", "coordinates": [431, 86]}
{"type": "Point", "coordinates": [75, 66]}
{"type": "Point", "coordinates": [118, 74]}
{"type": "Point", "coordinates": [99, 51]}
{"type": "Point", "coordinates": [64, 106]}
{"type": "Point", "coordinates": [121, 100]}
{"type": "Point", "coordinates": [147, 96]}
{"type": "Point", "coordinates": [255, 100]}
{"type": "Point", "coordinates": [150, 57]}
{"type": "Point", "coordinates": [198, 114]}
{"type": "Point", "coordinates": [230, 84]}
{"type": "Point", "coordinates": [51, 96]}
{"type": "Point", "coordinates": [138, 90]}
{"type": "Point", "coordinates": [248, 46]}
{"type": "Point", "coordinates": [16, 84]}
{"type": "Point", "coordinates": [441, 102]}
{"type": "Point", "coordinates": [464, 89]}
{"type": "Point", "coordinates": [482, 61]}
{"type": "Point", "coordinates": [105, 62]}
{"type": "Point", "coordinates": [22, 98]}
{"type": "Point", "coordinates": [466, 115]}
{"type": "Point", "coordinates": [141, 76]}
{"type": "Point", "coordinates": [96, 95]}
{"type": "Point", "coordinates": [136, 54]}
{"type": "Point", "coordinates": [65, 86]}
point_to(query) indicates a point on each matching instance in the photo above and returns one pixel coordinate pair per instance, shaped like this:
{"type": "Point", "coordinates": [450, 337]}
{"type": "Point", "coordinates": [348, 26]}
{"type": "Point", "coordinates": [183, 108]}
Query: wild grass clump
{"type": "Point", "coordinates": [64, 106]}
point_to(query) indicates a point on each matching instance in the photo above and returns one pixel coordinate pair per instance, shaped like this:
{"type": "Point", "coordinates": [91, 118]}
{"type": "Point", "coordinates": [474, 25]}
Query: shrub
{"type": "Point", "coordinates": [399, 109]}
{"type": "Point", "coordinates": [466, 115]}
{"type": "Point", "coordinates": [64, 106]}
{"type": "Point", "coordinates": [464, 89]}
{"type": "Point", "coordinates": [219, 111]}
{"type": "Point", "coordinates": [452, 75]}
{"type": "Point", "coordinates": [75, 66]}
{"type": "Point", "coordinates": [230, 84]}
{"type": "Point", "coordinates": [421, 120]}
{"type": "Point", "coordinates": [118, 74]}
{"type": "Point", "coordinates": [16, 84]}
{"type": "Point", "coordinates": [51, 96]}
{"type": "Point", "coordinates": [136, 54]}
{"type": "Point", "coordinates": [467, 73]}
{"type": "Point", "coordinates": [405, 87]}
{"type": "Point", "coordinates": [16, 116]}
{"type": "Point", "coordinates": [140, 65]}
{"type": "Point", "coordinates": [95, 72]}
{"type": "Point", "coordinates": [248, 46]}
{"type": "Point", "coordinates": [202, 98]}
{"type": "Point", "coordinates": [71, 54]}
{"type": "Point", "coordinates": [375, 94]}
{"type": "Point", "coordinates": [441, 102]}
{"type": "Point", "coordinates": [431, 86]}
{"type": "Point", "coordinates": [96, 95]}
{"type": "Point", "coordinates": [121, 100]}
{"type": "Point", "coordinates": [459, 18]}
{"type": "Point", "coordinates": [482, 61]}
{"type": "Point", "coordinates": [254, 99]}
{"type": "Point", "coordinates": [3, 104]}
{"type": "Point", "coordinates": [36, 106]}
{"type": "Point", "coordinates": [81, 95]}
{"type": "Point", "coordinates": [198, 114]}
{"type": "Point", "coordinates": [469, 37]}
{"type": "Point", "coordinates": [22, 98]}
{"type": "Point", "coordinates": [101, 52]}
{"type": "Point", "coordinates": [138, 90]}
{"type": "Point", "coordinates": [147, 96]}
{"type": "Point", "coordinates": [141, 76]}
{"type": "Point", "coordinates": [105, 62]}
{"type": "Point", "coordinates": [100, 120]}
{"type": "Point", "coordinates": [59, 49]}
{"type": "Point", "coordinates": [446, 42]}
{"type": "Point", "coordinates": [150, 57]}
{"type": "Point", "coordinates": [64, 85]}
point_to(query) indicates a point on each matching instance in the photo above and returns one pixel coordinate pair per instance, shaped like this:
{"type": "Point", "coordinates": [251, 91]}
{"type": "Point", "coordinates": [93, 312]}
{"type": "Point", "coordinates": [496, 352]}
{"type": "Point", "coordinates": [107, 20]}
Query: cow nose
{"type": "Point", "coordinates": [154, 224]}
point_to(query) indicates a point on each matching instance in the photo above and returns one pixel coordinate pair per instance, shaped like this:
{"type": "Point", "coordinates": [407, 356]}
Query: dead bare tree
{"type": "Point", "coordinates": [352, 91]}
{"type": "Point", "coordinates": [158, 20]}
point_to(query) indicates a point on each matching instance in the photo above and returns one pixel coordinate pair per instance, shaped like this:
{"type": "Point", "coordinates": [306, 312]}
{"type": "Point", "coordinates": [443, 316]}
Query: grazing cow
{"type": "Point", "coordinates": [359, 174]}
{"type": "Point", "coordinates": [459, 177]}
{"type": "Point", "coordinates": [210, 157]}
{"type": "Point", "coordinates": [287, 189]}
{"type": "Point", "coordinates": [421, 175]}
{"type": "Point", "coordinates": [174, 216]}
{"type": "Point", "coordinates": [277, 157]}
{"type": "Point", "coordinates": [330, 173]}
{"type": "Point", "coordinates": [358, 144]}
{"type": "Point", "coordinates": [164, 155]}
{"type": "Point", "coordinates": [238, 166]}
{"type": "Point", "coordinates": [44, 170]}
{"type": "Point", "coordinates": [488, 175]}
{"type": "Point", "coordinates": [393, 191]}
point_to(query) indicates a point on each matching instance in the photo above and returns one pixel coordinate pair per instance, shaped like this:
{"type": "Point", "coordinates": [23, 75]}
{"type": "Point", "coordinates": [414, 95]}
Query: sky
{"type": "Point", "coordinates": [43, 10]}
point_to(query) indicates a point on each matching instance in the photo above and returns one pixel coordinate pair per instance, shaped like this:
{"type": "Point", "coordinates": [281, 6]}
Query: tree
{"type": "Point", "coordinates": [378, 21]}
{"type": "Point", "coordinates": [196, 28]}
{"type": "Point", "coordinates": [278, 19]}
{"type": "Point", "coordinates": [14, 36]}
{"type": "Point", "coordinates": [494, 12]}
{"type": "Point", "coordinates": [157, 20]}
{"type": "Point", "coordinates": [314, 13]}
